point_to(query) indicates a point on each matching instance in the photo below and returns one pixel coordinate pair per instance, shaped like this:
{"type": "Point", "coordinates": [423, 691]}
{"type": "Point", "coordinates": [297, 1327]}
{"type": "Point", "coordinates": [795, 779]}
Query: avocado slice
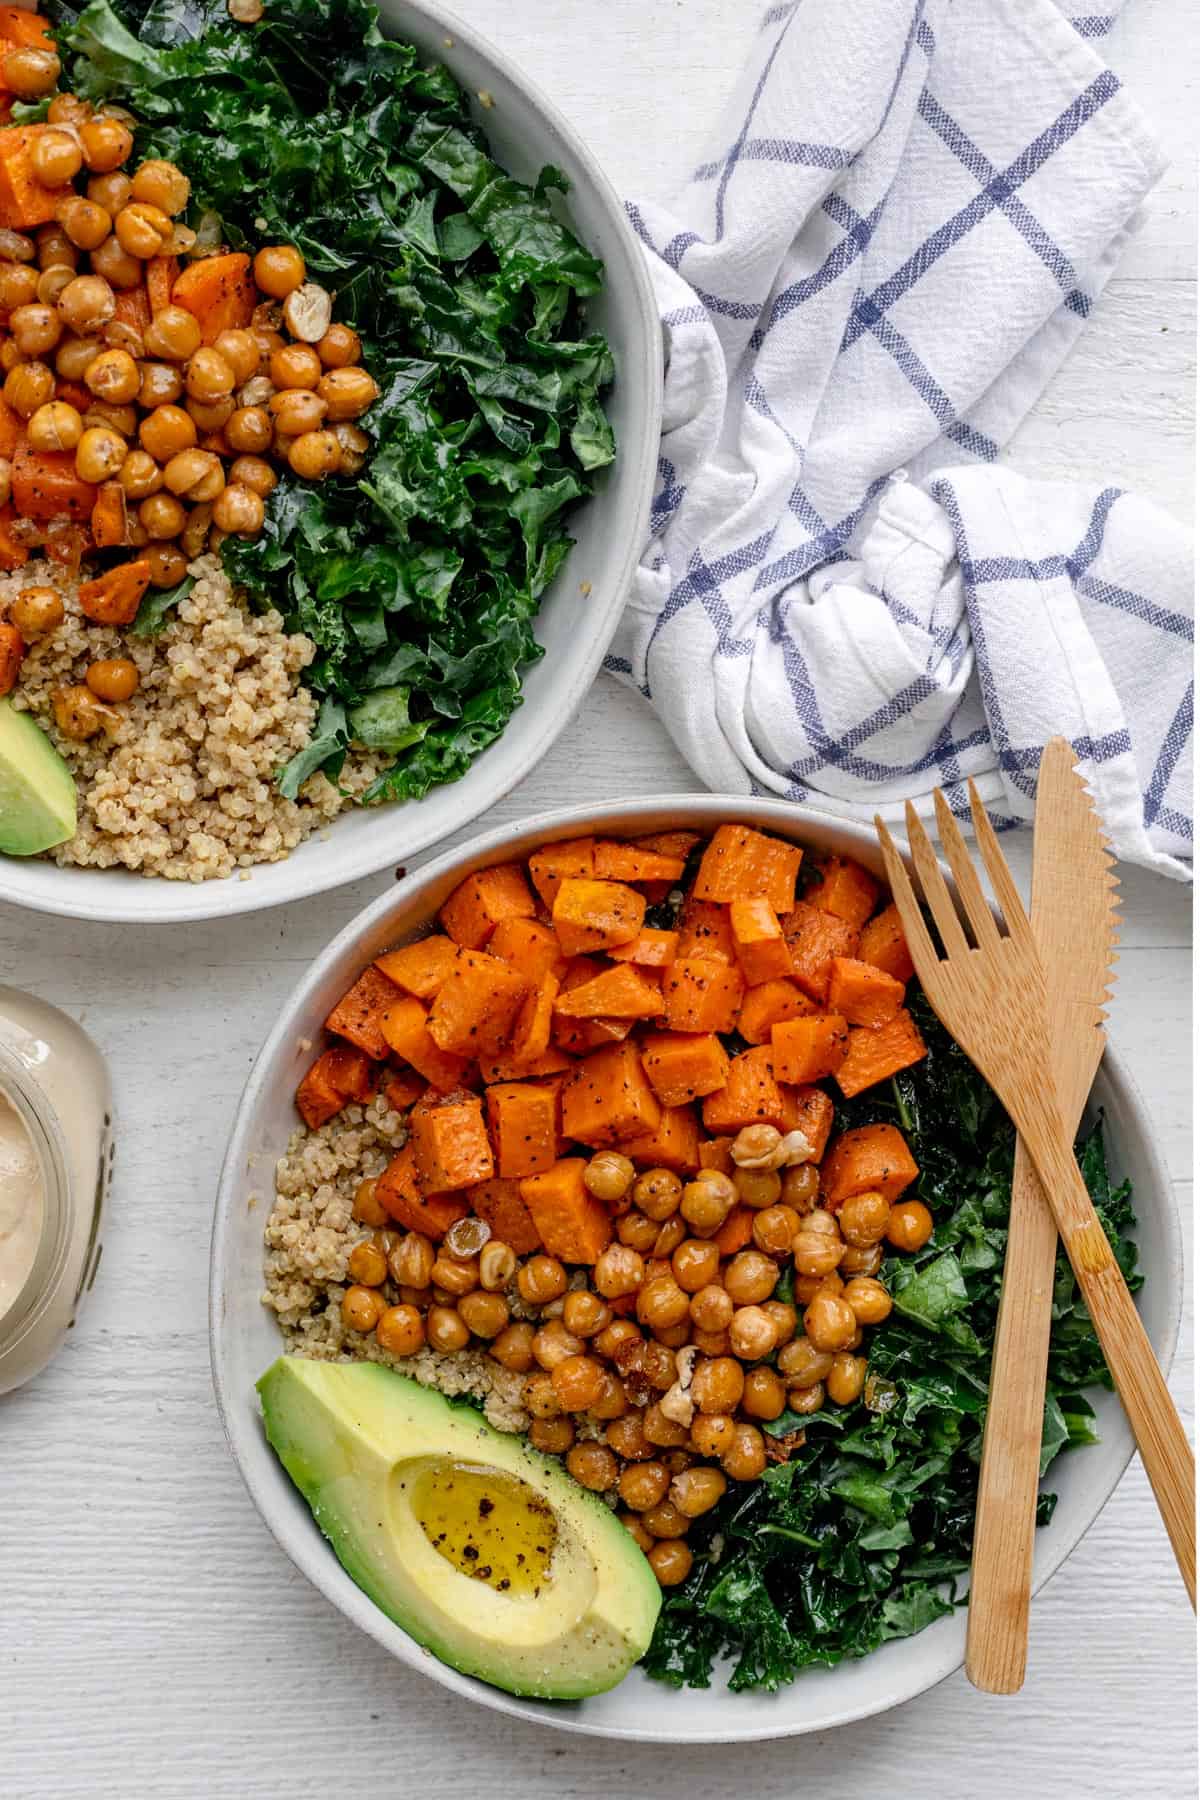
{"type": "Point", "coordinates": [37, 789]}
{"type": "Point", "coordinates": [483, 1550]}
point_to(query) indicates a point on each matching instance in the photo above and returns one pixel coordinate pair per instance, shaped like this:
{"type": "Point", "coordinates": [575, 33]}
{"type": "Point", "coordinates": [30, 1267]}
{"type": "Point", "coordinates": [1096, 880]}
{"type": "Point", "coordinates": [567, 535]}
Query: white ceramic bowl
{"type": "Point", "coordinates": [245, 1340]}
{"type": "Point", "coordinates": [526, 132]}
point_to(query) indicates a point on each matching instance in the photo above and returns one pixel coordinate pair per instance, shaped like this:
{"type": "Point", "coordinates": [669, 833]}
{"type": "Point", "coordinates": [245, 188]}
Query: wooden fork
{"type": "Point", "coordinates": [992, 998]}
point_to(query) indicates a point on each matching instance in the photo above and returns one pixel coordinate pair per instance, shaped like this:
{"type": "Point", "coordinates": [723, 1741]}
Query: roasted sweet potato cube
{"type": "Point", "coordinates": [882, 944]}
{"type": "Point", "coordinates": [846, 890]}
{"type": "Point", "coordinates": [607, 1098]}
{"type": "Point", "coordinates": [670, 843]}
{"type": "Point", "coordinates": [814, 938]}
{"type": "Point", "coordinates": [402, 1088]}
{"type": "Point", "coordinates": [810, 1110]}
{"type": "Point", "coordinates": [399, 1193]}
{"type": "Point", "coordinates": [682, 1066]}
{"type": "Point", "coordinates": [595, 915]}
{"type": "Point", "coordinates": [758, 939]}
{"type": "Point", "coordinates": [578, 1036]}
{"type": "Point", "coordinates": [531, 948]}
{"type": "Point", "coordinates": [620, 992]}
{"type": "Point", "coordinates": [476, 1007]}
{"type": "Point", "coordinates": [768, 1004]}
{"type": "Point", "coordinates": [572, 1224]}
{"type": "Point", "coordinates": [422, 967]}
{"type": "Point", "coordinates": [651, 948]}
{"type": "Point", "coordinates": [358, 1015]}
{"type": "Point", "coordinates": [717, 1153]}
{"type": "Point", "coordinates": [867, 1159]}
{"type": "Point", "coordinates": [531, 1031]}
{"type": "Point", "coordinates": [805, 1050]}
{"type": "Point", "coordinates": [317, 1097]}
{"type": "Point", "coordinates": [862, 994]}
{"type": "Point", "coordinates": [24, 201]}
{"type": "Point", "coordinates": [874, 1055]}
{"type": "Point", "coordinates": [740, 863]}
{"type": "Point", "coordinates": [634, 862]}
{"type": "Point", "coordinates": [751, 1095]}
{"type": "Point", "coordinates": [352, 1072]}
{"type": "Point", "coordinates": [523, 1120]}
{"type": "Point", "coordinates": [478, 904]}
{"type": "Point", "coordinates": [736, 1232]}
{"type": "Point", "coordinates": [675, 1144]}
{"type": "Point", "coordinates": [450, 1142]}
{"type": "Point", "coordinates": [701, 994]}
{"type": "Point", "coordinates": [507, 1067]}
{"type": "Point", "coordinates": [405, 1030]}
{"type": "Point", "coordinates": [553, 864]}
{"type": "Point", "coordinates": [499, 1204]}
{"type": "Point", "coordinates": [705, 929]}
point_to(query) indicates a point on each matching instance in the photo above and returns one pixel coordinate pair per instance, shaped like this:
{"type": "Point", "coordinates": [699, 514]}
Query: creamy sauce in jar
{"type": "Point", "coordinates": [22, 1203]}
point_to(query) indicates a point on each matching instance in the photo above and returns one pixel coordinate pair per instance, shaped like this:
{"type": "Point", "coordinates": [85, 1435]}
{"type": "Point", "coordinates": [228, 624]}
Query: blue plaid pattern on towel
{"type": "Point", "coordinates": [894, 241]}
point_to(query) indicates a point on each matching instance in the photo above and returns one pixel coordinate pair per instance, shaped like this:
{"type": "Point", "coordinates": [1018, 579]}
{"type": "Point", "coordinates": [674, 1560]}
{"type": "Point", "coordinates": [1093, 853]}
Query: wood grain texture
{"type": "Point", "coordinates": [1076, 939]}
{"type": "Point", "coordinates": [155, 1644]}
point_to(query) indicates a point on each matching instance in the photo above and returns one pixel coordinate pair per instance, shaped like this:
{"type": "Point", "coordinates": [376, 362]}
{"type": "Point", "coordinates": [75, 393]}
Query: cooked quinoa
{"type": "Point", "coordinates": [311, 1232]}
{"type": "Point", "coordinates": [184, 787]}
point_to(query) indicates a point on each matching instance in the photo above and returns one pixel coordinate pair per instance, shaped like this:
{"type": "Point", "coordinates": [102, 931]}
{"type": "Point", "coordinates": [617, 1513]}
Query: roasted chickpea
{"type": "Point", "coordinates": [662, 1303]}
{"type": "Point", "coordinates": [663, 1432]}
{"type": "Point", "coordinates": [51, 283]}
{"type": "Point", "coordinates": [803, 1364]}
{"type": "Point", "coordinates": [696, 1491]}
{"type": "Point", "coordinates": [864, 1219]}
{"type": "Point", "coordinates": [665, 1520]}
{"type": "Point", "coordinates": [805, 1400]}
{"type": "Point", "coordinates": [400, 1331]}
{"type": "Point", "coordinates": [314, 455]}
{"type": "Point", "coordinates": [696, 1264]}
{"type": "Point", "coordinates": [783, 1317]}
{"type": "Point", "coordinates": [162, 516]}
{"type": "Point", "coordinates": [296, 411]}
{"type": "Point", "coordinates": [455, 1275]}
{"type": "Point", "coordinates": [278, 270]}
{"type": "Point", "coordinates": [208, 376]}
{"type": "Point", "coordinates": [444, 1329]}
{"type": "Point", "coordinates": [114, 679]}
{"type": "Point", "coordinates": [55, 426]}
{"type": "Point", "coordinates": [308, 312]}
{"type": "Point", "coordinates": [626, 1437]}
{"type": "Point", "coordinates": [161, 185]}
{"type": "Point", "coordinates": [637, 1232]}
{"type": "Point", "coordinates": [254, 473]}
{"type": "Point", "coordinates": [368, 1209]}
{"type": "Point", "coordinates": [16, 246]}
{"type": "Point", "coordinates": [593, 1466]}
{"type": "Point", "coordinates": [118, 268]}
{"type": "Point", "coordinates": [774, 1229]}
{"type": "Point", "coordinates": [486, 1314]}
{"type": "Point", "coordinates": [619, 1270]}
{"type": "Point", "coordinates": [211, 416]}
{"type": "Point", "coordinates": [195, 475]}
{"type": "Point", "coordinates": [106, 143]}
{"type": "Point", "coordinates": [68, 109]}
{"type": "Point", "coordinates": [750, 1277]}
{"type": "Point", "coordinates": [609, 1176]}
{"type": "Point", "coordinates": [362, 1308]}
{"type": "Point", "coordinates": [355, 445]}
{"type": "Point", "coordinates": [513, 1347]}
{"type": "Point", "coordinates": [74, 356]}
{"type": "Point", "coordinates": [29, 72]}
{"type": "Point", "coordinates": [140, 476]}
{"type": "Point", "coordinates": [29, 386]}
{"type": "Point", "coordinates": [193, 539]}
{"type": "Point", "coordinates": [540, 1399]}
{"type": "Point", "coordinates": [816, 1253]}
{"type": "Point", "coordinates": [801, 1184]}
{"type": "Point", "coordinates": [173, 335]}
{"type": "Point", "coordinates": [347, 393]}
{"type": "Point", "coordinates": [612, 1402]}
{"type": "Point", "coordinates": [643, 1485]}
{"type": "Point", "coordinates": [340, 347]}
{"type": "Point", "coordinates": [18, 285]}
{"type": "Point", "coordinates": [159, 384]}
{"type": "Point", "coordinates": [829, 1322]}
{"type": "Point", "coordinates": [758, 1188]}
{"type": "Point", "coordinates": [121, 419]}
{"type": "Point", "coordinates": [295, 366]}
{"type": "Point", "coordinates": [844, 1383]}
{"type": "Point", "coordinates": [671, 1561]}
{"type": "Point", "coordinates": [657, 1193]}
{"type": "Point", "coordinates": [85, 224]}
{"type": "Point", "coordinates": [78, 713]}
{"type": "Point", "coordinates": [717, 1384]}
{"type": "Point", "coordinates": [56, 158]}
{"type": "Point", "coordinates": [99, 455]}
{"type": "Point", "coordinates": [585, 1313]}
{"type": "Point", "coordinates": [868, 1300]}
{"type": "Point", "coordinates": [578, 1381]}
{"type": "Point", "coordinates": [621, 1331]}
{"type": "Point", "coordinates": [707, 1203]}
{"type": "Point", "coordinates": [712, 1433]}
{"type": "Point", "coordinates": [36, 328]}
{"type": "Point", "coordinates": [552, 1436]}
{"type": "Point", "coordinates": [765, 1396]}
{"type": "Point", "coordinates": [366, 1263]}
{"type": "Point", "coordinates": [746, 1457]}
{"type": "Point", "coordinates": [111, 191]}
{"type": "Point", "coordinates": [751, 1333]}
{"type": "Point", "coordinates": [910, 1226]}
{"type": "Point", "coordinates": [861, 1262]}
{"type": "Point", "coordinates": [497, 1265]}
{"type": "Point", "coordinates": [113, 376]}
{"type": "Point", "coordinates": [86, 304]}
{"type": "Point", "coordinates": [711, 1308]}
{"type": "Point", "coordinates": [670, 1236]}
{"type": "Point", "coordinates": [553, 1343]}
{"type": "Point", "coordinates": [37, 611]}
{"type": "Point", "coordinates": [166, 431]}
{"type": "Point", "coordinates": [541, 1280]}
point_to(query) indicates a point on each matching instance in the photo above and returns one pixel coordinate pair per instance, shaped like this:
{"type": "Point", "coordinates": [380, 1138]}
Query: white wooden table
{"type": "Point", "coordinates": [153, 1639]}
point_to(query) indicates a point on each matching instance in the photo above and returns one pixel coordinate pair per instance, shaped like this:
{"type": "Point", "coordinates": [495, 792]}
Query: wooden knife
{"type": "Point", "coordinates": [1074, 916]}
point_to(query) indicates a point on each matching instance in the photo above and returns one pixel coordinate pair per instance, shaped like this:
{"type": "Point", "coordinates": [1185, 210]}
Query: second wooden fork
{"type": "Point", "coordinates": [991, 996]}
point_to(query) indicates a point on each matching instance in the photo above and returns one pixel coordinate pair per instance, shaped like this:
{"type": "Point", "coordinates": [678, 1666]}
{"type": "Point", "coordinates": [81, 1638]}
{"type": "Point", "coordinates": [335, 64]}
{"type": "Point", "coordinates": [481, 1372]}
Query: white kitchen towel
{"type": "Point", "coordinates": [900, 230]}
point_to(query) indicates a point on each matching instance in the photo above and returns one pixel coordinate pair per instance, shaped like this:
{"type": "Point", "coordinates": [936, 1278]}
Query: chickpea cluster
{"type": "Point", "coordinates": [654, 1377]}
{"type": "Point", "coordinates": [182, 437]}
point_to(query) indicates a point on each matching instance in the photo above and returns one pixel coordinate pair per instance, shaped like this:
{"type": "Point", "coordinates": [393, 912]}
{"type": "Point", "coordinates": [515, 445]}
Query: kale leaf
{"type": "Point", "coordinates": [862, 1534]}
{"type": "Point", "coordinates": [422, 576]}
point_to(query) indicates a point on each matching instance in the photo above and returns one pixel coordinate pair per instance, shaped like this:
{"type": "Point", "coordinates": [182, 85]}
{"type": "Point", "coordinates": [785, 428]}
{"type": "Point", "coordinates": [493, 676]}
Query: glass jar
{"type": "Point", "coordinates": [56, 1119]}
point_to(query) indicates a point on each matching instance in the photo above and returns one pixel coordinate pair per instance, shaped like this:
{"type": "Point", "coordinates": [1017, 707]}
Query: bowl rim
{"type": "Point", "coordinates": [295, 1534]}
{"type": "Point", "coordinates": [154, 900]}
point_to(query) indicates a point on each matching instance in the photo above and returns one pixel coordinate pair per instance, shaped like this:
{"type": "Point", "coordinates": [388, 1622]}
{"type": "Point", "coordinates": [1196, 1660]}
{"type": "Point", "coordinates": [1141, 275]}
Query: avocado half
{"type": "Point", "coordinates": [413, 1492]}
{"type": "Point", "coordinates": [37, 789]}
